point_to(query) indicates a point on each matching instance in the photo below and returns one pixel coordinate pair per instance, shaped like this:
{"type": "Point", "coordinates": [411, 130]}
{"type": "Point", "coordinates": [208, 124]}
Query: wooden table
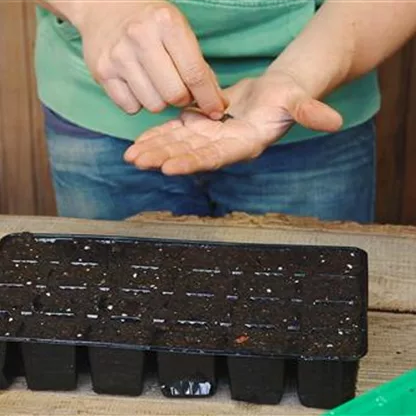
{"type": "Point", "coordinates": [392, 317]}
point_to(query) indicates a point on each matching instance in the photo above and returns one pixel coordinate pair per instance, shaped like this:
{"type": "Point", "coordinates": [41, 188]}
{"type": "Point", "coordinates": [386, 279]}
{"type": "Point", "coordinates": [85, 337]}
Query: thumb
{"type": "Point", "coordinates": [314, 114]}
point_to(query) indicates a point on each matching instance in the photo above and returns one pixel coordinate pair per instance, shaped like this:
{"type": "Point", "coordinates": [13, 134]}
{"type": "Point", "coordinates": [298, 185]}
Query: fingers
{"type": "Point", "coordinates": [224, 97]}
{"type": "Point", "coordinates": [164, 128]}
{"type": "Point", "coordinates": [163, 143]}
{"type": "Point", "coordinates": [150, 58]}
{"type": "Point", "coordinates": [171, 56]}
{"type": "Point", "coordinates": [135, 76]}
{"type": "Point", "coordinates": [211, 156]}
{"type": "Point", "coordinates": [154, 153]}
{"type": "Point", "coordinates": [150, 76]}
{"type": "Point", "coordinates": [135, 150]}
{"type": "Point", "coordinates": [181, 151]}
{"type": "Point", "coordinates": [184, 50]}
{"type": "Point", "coordinates": [120, 92]}
{"type": "Point", "coordinates": [158, 65]}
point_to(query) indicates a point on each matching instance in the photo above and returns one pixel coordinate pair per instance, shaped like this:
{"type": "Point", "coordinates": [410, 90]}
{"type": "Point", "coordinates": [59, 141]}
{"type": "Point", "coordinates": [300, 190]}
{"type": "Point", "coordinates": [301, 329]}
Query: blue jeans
{"type": "Point", "coordinates": [331, 177]}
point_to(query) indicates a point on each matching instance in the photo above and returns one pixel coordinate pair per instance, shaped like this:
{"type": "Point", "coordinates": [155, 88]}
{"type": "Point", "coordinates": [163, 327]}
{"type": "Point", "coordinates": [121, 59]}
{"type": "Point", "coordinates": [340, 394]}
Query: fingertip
{"type": "Point", "coordinates": [175, 167]}
{"type": "Point", "coordinates": [337, 121]}
{"type": "Point", "coordinates": [331, 120]}
{"type": "Point", "coordinates": [142, 162]}
{"type": "Point", "coordinates": [131, 108]}
{"type": "Point", "coordinates": [183, 101]}
{"type": "Point", "coordinates": [171, 172]}
{"type": "Point", "coordinates": [174, 123]}
{"type": "Point", "coordinates": [130, 154]}
{"type": "Point", "coordinates": [156, 108]}
{"type": "Point", "coordinates": [122, 96]}
{"type": "Point", "coordinates": [318, 116]}
{"type": "Point", "coordinates": [127, 104]}
{"type": "Point", "coordinates": [214, 107]}
{"type": "Point", "coordinates": [150, 160]}
{"type": "Point", "coordinates": [216, 115]}
{"type": "Point", "coordinates": [221, 95]}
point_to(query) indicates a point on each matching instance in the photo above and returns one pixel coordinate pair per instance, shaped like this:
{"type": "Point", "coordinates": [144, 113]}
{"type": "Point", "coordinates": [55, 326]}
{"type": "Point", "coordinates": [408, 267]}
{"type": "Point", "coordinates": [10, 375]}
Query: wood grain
{"type": "Point", "coordinates": [408, 212]}
{"type": "Point", "coordinates": [392, 351]}
{"type": "Point", "coordinates": [392, 260]}
{"type": "Point", "coordinates": [18, 193]}
{"type": "Point", "coordinates": [25, 185]}
{"type": "Point", "coordinates": [24, 177]}
{"type": "Point", "coordinates": [391, 136]}
{"type": "Point", "coordinates": [45, 198]}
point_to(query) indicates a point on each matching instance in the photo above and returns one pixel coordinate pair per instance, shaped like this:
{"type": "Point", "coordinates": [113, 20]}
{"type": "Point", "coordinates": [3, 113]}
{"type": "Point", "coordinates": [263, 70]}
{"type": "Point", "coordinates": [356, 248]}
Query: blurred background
{"type": "Point", "coordinates": [25, 185]}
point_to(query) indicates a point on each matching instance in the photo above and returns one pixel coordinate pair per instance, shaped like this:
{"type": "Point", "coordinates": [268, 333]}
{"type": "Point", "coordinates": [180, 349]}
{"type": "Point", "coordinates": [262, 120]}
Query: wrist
{"type": "Point", "coordinates": [314, 82]}
{"type": "Point", "coordinates": [72, 10]}
{"type": "Point", "coordinates": [318, 72]}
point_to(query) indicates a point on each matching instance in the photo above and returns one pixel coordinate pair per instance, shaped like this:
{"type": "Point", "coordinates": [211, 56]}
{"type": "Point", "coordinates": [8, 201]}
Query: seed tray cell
{"type": "Point", "coordinates": [189, 303]}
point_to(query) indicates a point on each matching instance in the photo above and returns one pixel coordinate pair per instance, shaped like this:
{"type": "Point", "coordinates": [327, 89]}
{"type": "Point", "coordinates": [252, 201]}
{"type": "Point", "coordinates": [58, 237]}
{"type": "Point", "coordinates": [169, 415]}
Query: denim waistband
{"type": "Point", "coordinates": [61, 125]}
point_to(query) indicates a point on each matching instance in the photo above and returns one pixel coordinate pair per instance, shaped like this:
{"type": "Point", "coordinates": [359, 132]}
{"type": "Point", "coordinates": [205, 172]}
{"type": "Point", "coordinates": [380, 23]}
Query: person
{"type": "Point", "coordinates": [294, 79]}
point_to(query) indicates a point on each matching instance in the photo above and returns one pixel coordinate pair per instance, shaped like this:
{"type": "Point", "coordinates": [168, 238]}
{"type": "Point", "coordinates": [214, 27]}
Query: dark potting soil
{"type": "Point", "coordinates": [264, 302]}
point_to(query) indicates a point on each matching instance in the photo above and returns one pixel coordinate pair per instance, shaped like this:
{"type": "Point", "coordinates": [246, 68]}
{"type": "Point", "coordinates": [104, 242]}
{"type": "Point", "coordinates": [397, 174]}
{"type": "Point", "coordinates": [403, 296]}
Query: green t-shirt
{"type": "Point", "coordinates": [239, 39]}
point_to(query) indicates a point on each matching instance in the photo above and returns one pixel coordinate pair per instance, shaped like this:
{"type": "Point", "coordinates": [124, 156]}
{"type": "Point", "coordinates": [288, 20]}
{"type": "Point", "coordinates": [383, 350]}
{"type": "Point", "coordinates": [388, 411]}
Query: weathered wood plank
{"type": "Point", "coordinates": [15, 135]}
{"type": "Point", "coordinates": [409, 166]}
{"type": "Point", "coordinates": [42, 182]}
{"type": "Point", "coordinates": [391, 135]}
{"type": "Point", "coordinates": [24, 176]}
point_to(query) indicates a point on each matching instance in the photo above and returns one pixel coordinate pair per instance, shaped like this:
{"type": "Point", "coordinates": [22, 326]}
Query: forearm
{"type": "Point", "coordinates": [65, 9]}
{"type": "Point", "coordinates": [74, 11]}
{"type": "Point", "coordinates": [344, 40]}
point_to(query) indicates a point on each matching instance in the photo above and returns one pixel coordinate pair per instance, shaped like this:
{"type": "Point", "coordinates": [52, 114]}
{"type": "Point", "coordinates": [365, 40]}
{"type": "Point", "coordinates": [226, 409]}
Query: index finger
{"type": "Point", "coordinates": [182, 46]}
{"type": "Point", "coordinates": [210, 156]}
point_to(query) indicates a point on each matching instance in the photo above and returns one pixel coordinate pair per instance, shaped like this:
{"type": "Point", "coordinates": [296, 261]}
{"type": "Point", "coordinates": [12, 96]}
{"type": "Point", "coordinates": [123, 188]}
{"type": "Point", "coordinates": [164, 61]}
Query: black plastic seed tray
{"type": "Point", "coordinates": [189, 303]}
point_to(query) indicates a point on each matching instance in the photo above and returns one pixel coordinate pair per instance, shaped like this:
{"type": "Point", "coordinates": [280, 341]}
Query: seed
{"type": "Point", "coordinates": [242, 339]}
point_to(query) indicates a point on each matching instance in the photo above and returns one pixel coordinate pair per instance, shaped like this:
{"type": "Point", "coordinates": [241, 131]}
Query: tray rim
{"type": "Point", "coordinates": [184, 242]}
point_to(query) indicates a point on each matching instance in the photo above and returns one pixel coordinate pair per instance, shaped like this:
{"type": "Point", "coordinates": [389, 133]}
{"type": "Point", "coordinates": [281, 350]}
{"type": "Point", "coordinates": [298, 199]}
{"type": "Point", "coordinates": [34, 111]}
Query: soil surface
{"type": "Point", "coordinates": [288, 301]}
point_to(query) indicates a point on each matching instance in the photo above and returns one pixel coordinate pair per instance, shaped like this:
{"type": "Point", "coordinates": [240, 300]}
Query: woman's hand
{"type": "Point", "coordinates": [145, 54]}
{"type": "Point", "coordinates": [263, 110]}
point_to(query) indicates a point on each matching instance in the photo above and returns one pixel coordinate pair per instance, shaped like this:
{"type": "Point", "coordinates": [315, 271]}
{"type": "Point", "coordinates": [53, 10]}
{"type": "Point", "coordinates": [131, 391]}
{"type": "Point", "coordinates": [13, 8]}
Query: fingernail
{"type": "Point", "coordinates": [216, 115]}
{"type": "Point", "coordinates": [132, 108]}
{"type": "Point", "coordinates": [130, 154]}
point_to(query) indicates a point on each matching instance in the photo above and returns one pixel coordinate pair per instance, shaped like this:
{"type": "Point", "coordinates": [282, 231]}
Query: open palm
{"type": "Point", "coordinates": [263, 111]}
